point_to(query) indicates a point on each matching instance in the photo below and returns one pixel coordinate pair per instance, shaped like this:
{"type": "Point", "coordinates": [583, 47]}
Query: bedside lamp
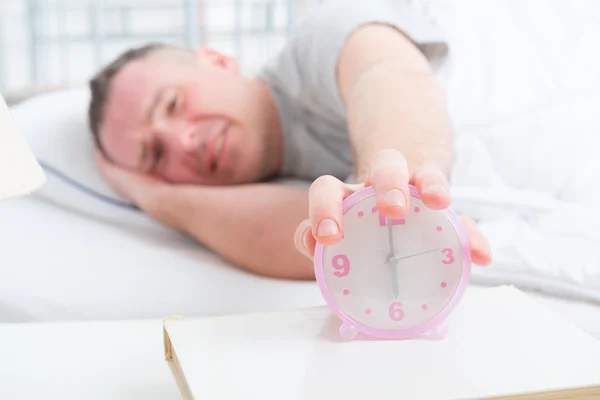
{"type": "Point", "coordinates": [20, 172]}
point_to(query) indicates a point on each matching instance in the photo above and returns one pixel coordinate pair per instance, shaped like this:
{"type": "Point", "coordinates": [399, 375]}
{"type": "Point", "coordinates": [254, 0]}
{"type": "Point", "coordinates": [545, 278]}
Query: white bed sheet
{"type": "Point", "coordinates": [524, 96]}
{"type": "Point", "coordinates": [527, 170]}
{"type": "Point", "coordinates": [59, 265]}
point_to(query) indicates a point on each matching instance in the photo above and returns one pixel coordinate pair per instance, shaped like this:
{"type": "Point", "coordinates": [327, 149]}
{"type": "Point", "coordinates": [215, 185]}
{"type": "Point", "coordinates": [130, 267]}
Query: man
{"type": "Point", "coordinates": [350, 101]}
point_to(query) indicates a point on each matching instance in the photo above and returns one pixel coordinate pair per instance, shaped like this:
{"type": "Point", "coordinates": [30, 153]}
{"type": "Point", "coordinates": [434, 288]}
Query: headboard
{"type": "Point", "coordinates": [47, 45]}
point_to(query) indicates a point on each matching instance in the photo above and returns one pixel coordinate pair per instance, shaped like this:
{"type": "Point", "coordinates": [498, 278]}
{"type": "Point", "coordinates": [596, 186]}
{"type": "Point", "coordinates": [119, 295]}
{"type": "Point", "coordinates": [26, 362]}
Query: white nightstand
{"type": "Point", "coordinates": [85, 360]}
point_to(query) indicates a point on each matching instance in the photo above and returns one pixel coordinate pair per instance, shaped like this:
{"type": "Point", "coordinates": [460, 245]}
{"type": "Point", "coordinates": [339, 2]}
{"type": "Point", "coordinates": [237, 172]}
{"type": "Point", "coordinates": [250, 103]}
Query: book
{"type": "Point", "coordinates": [500, 345]}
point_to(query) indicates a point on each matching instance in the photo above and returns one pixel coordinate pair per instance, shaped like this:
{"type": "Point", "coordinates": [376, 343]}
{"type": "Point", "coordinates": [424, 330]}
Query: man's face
{"type": "Point", "coordinates": [185, 118]}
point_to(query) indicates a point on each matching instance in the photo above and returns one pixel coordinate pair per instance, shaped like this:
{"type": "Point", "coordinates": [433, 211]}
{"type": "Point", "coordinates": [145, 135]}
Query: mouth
{"type": "Point", "coordinates": [217, 150]}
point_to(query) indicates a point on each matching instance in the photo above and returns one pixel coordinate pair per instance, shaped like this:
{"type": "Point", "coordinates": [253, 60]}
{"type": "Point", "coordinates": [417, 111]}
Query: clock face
{"type": "Point", "coordinates": [394, 274]}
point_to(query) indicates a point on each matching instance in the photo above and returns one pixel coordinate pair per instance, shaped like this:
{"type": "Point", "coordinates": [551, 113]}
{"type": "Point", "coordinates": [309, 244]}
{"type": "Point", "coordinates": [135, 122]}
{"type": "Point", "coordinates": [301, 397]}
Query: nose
{"type": "Point", "coordinates": [189, 140]}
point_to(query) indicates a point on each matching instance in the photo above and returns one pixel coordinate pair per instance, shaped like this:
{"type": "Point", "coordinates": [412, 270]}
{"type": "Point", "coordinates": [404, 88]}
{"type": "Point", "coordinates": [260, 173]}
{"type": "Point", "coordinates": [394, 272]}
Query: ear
{"type": "Point", "coordinates": [218, 59]}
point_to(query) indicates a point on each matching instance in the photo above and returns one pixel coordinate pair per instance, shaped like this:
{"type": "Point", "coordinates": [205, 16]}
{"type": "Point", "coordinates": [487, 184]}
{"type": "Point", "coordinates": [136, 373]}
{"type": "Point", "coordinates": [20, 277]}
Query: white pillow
{"type": "Point", "coordinates": [55, 127]}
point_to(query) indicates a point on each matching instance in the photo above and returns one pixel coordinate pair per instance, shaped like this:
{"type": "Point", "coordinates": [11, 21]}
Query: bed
{"type": "Point", "coordinates": [526, 170]}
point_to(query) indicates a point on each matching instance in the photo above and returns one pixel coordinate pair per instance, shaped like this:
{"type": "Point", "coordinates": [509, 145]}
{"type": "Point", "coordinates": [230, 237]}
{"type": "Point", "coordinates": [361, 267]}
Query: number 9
{"type": "Point", "coordinates": [342, 269]}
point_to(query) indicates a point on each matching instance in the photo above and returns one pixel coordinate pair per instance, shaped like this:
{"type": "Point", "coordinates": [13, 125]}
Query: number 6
{"type": "Point", "coordinates": [395, 312]}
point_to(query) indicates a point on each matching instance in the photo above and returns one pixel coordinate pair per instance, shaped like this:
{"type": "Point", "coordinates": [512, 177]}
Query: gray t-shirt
{"type": "Point", "coordinates": [302, 79]}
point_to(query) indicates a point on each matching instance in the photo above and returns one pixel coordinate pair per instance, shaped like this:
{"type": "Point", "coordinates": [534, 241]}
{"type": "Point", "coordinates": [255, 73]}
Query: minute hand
{"type": "Point", "coordinates": [413, 255]}
{"type": "Point", "coordinates": [392, 261]}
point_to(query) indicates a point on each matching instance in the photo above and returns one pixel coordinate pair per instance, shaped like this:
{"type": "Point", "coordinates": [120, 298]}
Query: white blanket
{"type": "Point", "coordinates": [524, 93]}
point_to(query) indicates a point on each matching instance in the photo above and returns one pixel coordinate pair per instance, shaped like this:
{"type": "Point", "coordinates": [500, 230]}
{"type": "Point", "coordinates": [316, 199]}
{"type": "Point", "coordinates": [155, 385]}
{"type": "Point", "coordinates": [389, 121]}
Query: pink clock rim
{"type": "Point", "coordinates": [420, 329]}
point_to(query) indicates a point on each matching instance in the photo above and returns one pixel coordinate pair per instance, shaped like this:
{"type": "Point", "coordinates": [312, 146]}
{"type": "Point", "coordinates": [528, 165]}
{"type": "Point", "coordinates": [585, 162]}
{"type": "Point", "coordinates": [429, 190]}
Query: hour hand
{"type": "Point", "coordinates": [392, 261]}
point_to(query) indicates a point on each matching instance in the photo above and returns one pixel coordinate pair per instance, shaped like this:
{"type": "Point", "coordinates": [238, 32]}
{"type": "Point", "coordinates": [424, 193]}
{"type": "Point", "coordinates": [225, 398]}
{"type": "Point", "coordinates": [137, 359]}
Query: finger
{"type": "Point", "coordinates": [433, 187]}
{"type": "Point", "coordinates": [102, 161]}
{"type": "Point", "coordinates": [325, 208]}
{"type": "Point", "coordinates": [98, 155]}
{"type": "Point", "coordinates": [126, 184]}
{"type": "Point", "coordinates": [304, 239]}
{"type": "Point", "coordinates": [389, 177]}
{"type": "Point", "coordinates": [480, 248]}
{"type": "Point", "coordinates": [105, 167]}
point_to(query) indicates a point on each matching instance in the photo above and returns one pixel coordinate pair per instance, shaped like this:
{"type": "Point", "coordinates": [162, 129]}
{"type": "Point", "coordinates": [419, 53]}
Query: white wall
{"type": "Point", "coordinates": [67, 62]}
{"type": "Point", "coordinates": [14, 45]}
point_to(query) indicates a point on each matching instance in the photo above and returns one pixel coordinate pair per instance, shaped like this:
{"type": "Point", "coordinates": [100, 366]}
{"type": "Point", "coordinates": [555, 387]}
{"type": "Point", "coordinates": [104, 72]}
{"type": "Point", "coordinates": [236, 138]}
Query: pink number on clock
{"type": "Point", "coordinates": [342, 264]}
{"type": "Point", "coordinates": [449, 257]}
{"type": "Point", "coordinates": [382, 219]}
{"type": "Point", "coordinates": [395, 312]}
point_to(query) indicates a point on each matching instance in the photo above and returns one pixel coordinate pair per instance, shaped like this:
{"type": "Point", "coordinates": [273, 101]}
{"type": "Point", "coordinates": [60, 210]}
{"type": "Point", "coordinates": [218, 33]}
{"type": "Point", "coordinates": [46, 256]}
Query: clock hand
{"type": "Point", "coordinates": [392, 257]}
{"type": "Point", "coordinates": [414, 255]}
{"type": "Point", "coordinates": [393, 266]}
{"type": "Point", "coordinates": [391, 238]}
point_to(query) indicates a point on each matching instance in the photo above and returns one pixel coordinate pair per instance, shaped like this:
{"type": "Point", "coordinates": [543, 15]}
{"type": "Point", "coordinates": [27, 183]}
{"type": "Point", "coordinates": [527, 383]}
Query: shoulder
{"type": "Point", "coordinates": [306, 67]}
{"type": "Point", "coordinates": [342, 17]}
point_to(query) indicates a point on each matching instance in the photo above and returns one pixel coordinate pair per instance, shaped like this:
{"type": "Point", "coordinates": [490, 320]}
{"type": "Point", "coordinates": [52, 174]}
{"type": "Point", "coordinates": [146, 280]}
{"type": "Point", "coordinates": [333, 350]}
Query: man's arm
{"type": "Point", "coordinates": [251, 226]}
{"type": "Point", "coordinates": [393, 101]}
{"type": "Point", "coordinates": [400, 133]}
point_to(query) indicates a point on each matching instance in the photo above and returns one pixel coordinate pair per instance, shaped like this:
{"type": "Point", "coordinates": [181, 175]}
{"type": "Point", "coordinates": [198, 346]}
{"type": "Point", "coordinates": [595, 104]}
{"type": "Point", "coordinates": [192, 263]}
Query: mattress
{"type": "Point", "coordinates": [58, 265]}
{"type": "Point", "coordinates": [61, 265]}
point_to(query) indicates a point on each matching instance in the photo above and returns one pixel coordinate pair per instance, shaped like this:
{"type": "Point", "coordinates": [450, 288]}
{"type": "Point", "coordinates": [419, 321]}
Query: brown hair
{"type": "Point", "coordinates": [100, 84]}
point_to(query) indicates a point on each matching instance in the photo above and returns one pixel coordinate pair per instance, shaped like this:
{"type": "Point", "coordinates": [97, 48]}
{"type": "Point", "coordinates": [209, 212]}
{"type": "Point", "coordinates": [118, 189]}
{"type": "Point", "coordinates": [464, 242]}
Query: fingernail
{"type": "Point", "coordinates": [436, 188]}
{"type": "Point", "coordinates": [394, 197]}
{"type": "Point", "coordinates": [304, 240]}
{"type": "Point", "coordinates": [327, 227]}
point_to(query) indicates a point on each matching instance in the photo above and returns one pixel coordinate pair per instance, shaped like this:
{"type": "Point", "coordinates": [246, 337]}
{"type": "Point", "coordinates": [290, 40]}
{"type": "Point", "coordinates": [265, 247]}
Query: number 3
{"type": "Point", "coordinates": [449, 257]}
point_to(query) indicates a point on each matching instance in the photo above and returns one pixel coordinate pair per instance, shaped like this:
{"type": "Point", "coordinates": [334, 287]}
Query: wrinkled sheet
{"type": "Point", "coordinates": [524, 93]}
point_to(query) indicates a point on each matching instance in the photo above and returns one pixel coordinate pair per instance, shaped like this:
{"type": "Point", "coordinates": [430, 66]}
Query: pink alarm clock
{"type": "Point", "coordinates": [394, 279]}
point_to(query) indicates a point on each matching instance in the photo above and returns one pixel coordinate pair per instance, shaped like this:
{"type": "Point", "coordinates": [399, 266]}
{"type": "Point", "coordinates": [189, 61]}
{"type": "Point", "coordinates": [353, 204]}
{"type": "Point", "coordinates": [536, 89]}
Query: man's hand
{"type": "Point", "coordinates": [400, 132]}
{"type": "Point", "coordinates": [131, 186]}
{"type": "Point", "coordinates": [144, 191]}
{"type": "Point", "coordinates": [248, 225]}
{"type": "Point", "coordinates": [390, 178]}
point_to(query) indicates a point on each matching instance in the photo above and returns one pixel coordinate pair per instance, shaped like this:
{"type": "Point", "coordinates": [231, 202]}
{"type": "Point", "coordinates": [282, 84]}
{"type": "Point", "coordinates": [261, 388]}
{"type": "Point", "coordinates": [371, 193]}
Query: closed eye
{"type": "Point", "coordinates": [157, 156]}
{"type": "Point", "coordinates": [172, 104]}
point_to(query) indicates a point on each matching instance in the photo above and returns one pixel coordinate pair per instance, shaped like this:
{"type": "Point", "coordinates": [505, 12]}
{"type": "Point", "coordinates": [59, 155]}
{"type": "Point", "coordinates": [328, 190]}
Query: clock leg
{"type": "Point", "coordinates": [440, 331]}
{"type": "Point", "coordinates": [348, 331]}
